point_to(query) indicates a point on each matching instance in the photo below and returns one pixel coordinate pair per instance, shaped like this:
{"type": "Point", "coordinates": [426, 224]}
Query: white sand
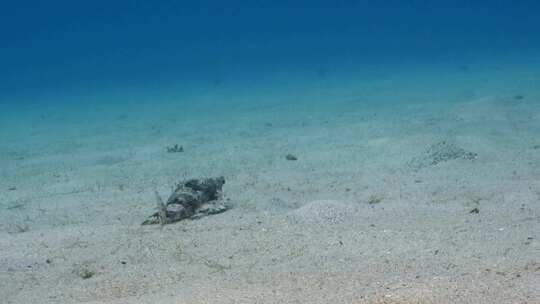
{"type": "Point", "coordinates": [84, 182]}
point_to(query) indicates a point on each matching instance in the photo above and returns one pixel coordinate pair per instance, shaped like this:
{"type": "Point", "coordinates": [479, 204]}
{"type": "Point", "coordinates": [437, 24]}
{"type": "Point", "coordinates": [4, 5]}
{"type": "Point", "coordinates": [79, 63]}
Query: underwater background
{"type": "Point", "coordinates": [53, 50]}
{"type": "Point", "coordinates": [332, 151]}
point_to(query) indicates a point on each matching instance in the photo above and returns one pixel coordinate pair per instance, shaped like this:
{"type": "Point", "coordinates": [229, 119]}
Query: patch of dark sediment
{"type": "Point", "coordinates": [440, 152]}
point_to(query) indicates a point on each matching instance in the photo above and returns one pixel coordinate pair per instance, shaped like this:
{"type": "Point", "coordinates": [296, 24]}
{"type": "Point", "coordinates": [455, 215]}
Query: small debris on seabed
{"type": "Point", "coordinates": [21, 228]}
{"type": "Point", "coordinates": [475, 211]}
{"type": "Point", "coordinates": [175, 149]}
{"type": "Point", "coordinates": [291, 157]}
{"type": "Point", "coordinates": [374, 199]}
{"type": "Point", "coordinates": [86, 273]}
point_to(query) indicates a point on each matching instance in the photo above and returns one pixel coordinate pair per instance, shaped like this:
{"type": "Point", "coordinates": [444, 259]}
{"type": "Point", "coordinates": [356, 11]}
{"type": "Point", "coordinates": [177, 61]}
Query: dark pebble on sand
{"type": "Point", "coordinates": [291, 157]}
{"type": "Point", "coordinates": [475, 211]}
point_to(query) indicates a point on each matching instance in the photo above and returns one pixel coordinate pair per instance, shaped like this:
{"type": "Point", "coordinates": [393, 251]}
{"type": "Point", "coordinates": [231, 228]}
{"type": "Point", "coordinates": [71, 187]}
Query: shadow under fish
{"type": "Point", "coordinates": [191, 199]}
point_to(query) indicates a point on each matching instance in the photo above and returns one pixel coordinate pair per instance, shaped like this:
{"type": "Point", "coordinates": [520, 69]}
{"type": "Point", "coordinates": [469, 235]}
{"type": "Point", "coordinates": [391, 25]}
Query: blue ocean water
{"type": "Point", "coordinates": [59, 50]}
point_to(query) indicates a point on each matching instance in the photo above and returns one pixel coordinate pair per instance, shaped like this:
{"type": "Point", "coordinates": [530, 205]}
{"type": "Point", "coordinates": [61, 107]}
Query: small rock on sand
{"type": "Point", "coordinates": [291, 157]}
{"type": "Point", "coordinates": [322, 212]}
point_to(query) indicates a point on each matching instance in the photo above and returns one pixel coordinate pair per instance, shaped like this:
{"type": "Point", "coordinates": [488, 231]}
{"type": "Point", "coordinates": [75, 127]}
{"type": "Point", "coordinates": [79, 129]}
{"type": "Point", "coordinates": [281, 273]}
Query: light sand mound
{"type": "Point", "coordinates": [322, 212]}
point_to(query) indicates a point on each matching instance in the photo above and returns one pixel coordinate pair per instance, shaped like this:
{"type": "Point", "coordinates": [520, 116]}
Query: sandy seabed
{"type": "Point", "coordinates": [408, 188]}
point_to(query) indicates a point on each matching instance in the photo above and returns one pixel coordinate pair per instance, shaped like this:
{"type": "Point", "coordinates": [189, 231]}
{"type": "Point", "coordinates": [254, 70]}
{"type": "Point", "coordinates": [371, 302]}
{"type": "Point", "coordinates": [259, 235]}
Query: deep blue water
{"type": "Point", "coordinates": [57, 48]}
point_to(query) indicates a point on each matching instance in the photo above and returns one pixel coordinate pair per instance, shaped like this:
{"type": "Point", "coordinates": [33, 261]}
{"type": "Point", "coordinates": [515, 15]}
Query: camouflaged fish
{"type": "Point", "coordinates": [193, 198]}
